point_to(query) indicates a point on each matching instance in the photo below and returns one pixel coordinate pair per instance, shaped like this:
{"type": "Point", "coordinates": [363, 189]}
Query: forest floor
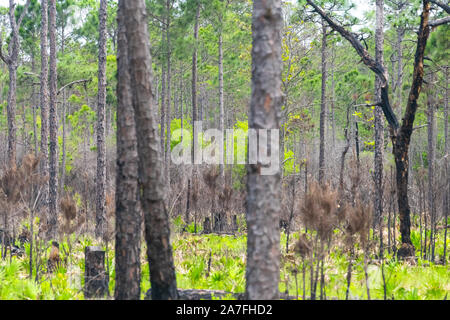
{"type": "Point", "coordinates": [217, 262]}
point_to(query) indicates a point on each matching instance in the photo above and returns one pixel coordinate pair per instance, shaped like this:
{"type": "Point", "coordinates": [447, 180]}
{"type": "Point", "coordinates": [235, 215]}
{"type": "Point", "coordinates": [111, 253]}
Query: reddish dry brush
{"type": "Point", "coordinates": [358, 219]}
{"type": "Point", "coordinates": [68, 207]}
{"type": "Point", "coordinates": [320, 213]}
{"type": "Point", "coordinates": [303, 246]}
{"type": "Point", "coordinates": [72, 221]}
{"type": "Point", "coordinates": [325, 212]}
{"type": "Point", "coordinates": [21, 189]}
{"type": "Point", "coordinates": [320, 210]}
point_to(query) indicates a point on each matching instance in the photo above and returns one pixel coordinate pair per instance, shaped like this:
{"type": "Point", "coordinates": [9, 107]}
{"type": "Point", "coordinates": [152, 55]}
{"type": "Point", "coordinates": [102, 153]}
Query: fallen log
{"type": "Point", "coordinates": [204, 294]}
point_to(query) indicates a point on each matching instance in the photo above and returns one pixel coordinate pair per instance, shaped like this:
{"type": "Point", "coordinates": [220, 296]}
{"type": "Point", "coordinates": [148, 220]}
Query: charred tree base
{"type": "Point", "coordinates": [200, 294]}
{"type": "Point", "coordinates": [406, 252]}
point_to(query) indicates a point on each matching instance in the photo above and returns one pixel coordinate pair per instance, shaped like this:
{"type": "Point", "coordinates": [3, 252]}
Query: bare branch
{"type": "Point", "coordinates": [442, 5]}
{"type": "Point", "coordinates": [421, 126]}
{"type": "Point", "coordinates": [377, 68]}
{"type": "Point", "coordinates": [4, 58]}
{"type": "Point", "coordinates": [439, 22]}
{"type": "Point", "coordinates": [418, 74]}
{"type": "Point", "coordinates": [368, 105]}
{"type": "Point", "coordinates": [32, 74]}
{"type": "Point", "coordinates": [72, 83]}
{"type": "Point", "coordinates": [25, 9]}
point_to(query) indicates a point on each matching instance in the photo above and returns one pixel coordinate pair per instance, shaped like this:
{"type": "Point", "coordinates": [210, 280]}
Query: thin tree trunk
{"type": "Point", "coordinates": [379, 124]}
{"type": "Point", "coordinates": [163, 109]}
{"type": "Point", "coordinates": [399, 85]}
{"type": "Point", "coordinates": [431, 163]}
{"type": "Point", "coordinates": [221, 101]}
{"type": "Point", "coordinates": [168, 97]}
{"type": "Point", "coordinates": [53, 126]}
{"type": "Point", "coordinates": [194, 69]}
{"type": "Point", "coordinates": [446, 206]}
{"type": "Point", "coordinates": [357, 139]}
{"type": "Point", "coordinates": [63, 161]}
{"type": "Point", "coordinates": [11, 114]}
{"type": "Point", "coordinates": [323, 104]}
{"type": "Point", "coordinates": [193, 181]}
{"type": "Point", "coordinates": [100, 209]}
{"type": "Point", "coordinates": [11, 60]}
{"type": "Point", "coordinates": [333, 102]}
{"type": "Point", "coordinates": [43, 97]}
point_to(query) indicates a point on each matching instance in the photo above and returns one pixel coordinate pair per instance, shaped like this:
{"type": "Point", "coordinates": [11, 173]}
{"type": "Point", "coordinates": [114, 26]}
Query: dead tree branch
{"type": "Point", "coordinates": [370, 62]}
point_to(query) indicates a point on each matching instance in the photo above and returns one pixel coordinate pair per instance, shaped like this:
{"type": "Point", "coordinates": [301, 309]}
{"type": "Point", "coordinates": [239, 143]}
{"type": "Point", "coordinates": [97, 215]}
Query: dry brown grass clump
{"type": "Point", "coordinates": [358, 220]}
{"type": "Point", "coordinates": [29, 166]}
{"type": "Point", "coordinates": [320, 211]}
{"type": "Point", "coordinates": [303, 247]}
{"type": "Point", "coordinates": [71, 220]}
{"type": "Point", "coordinates": [110, 216]}
{"type": "Point", "coordinates": [11, 184]}
{"type": "Point", "coordinates": [225, 197]}
{"type": "Point", "coordinates": [210, 176]}
{"type": "Point", "coordinates": [68, 207]}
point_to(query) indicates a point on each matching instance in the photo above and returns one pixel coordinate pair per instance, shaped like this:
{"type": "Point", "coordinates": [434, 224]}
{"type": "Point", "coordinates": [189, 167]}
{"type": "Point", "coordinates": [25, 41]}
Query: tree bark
{"type": "Point", "coordinates": [323, 105]}
{"type": "Point", "coordinates": [379, 122]}
{"type": "Point", "coordinates": [446, 206]}
{"type": "Point", "coordinates": [96, 279]}
{"type": "Point", "coordinates": [63, 161]}
{"type": "Point", "coordinates": [221, 96]}
{"type": "Point", "coordinates": [163, 109]}
{"type": "Point", "coordinates": [168, 97]}
{"type": "Point", "coordinates": [11, 60]}
{"type": "Point", "coordinates": [128, 215]}
{"type": "Point", "coordinates": [193, 180]}
{"type": "Point", "coordinates": [52, 221]}
{"type": "Point", "coordinates": [431, 157]}
{"type": "Point", "coordinates": [11, 113]}
{"type": "Point", "coordinates": [100, 209]}
{"type": "Point", "coordinates": [399, 85]}
{"type": "Point", "coordinates": [263, 191]}
{"type": "Point", "coordinates": [444, 6]}
{"type": "Point", "coordinates": [333, 102]}
{"type": "Point", "coordinates": [157, 231]}
{"type": "Point", "coordinates": [402, 138]}
{"type": "Point", "coordinates": [43, 97]}
{"type": "Point", "coordinates": [194, 68]}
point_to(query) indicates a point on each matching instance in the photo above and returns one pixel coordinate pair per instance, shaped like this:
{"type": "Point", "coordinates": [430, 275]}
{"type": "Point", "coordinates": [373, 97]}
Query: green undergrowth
{"type": "Point", "coordinates": [217, 262]}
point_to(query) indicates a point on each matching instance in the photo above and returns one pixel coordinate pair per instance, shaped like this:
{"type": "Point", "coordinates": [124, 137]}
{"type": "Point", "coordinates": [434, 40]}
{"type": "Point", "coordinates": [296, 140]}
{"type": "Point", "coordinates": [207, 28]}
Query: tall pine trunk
{"type": "Point", "coordinates": [263, 191]}
{"type": "Point", "coordinates": [323, 104]}
{"type": "Point", "coordinates": [446, 206]}
{"type": "Point", "coordinates": [11, 113]}
{"type": "Point", "coordinates": [168, 99]}
{"type": "Point", "coordinates": [157, 231]}
{"type": "Point", "coordinates": [11, 60]}
{"type": "Point", "coordinates": [431, 164]}
{"type": "Point", "coordinates": [100, 209]}
{"type": "Point", "coordinates": [221, 100]}
{"type": "Point", "coordinates": [53, 126]}
{"type": "Point", "coordinates": [43, 97]}
{"type": "Point", "coordinates": [379, 123]}
{"type": "Point", "coordinates": [128, 215]}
